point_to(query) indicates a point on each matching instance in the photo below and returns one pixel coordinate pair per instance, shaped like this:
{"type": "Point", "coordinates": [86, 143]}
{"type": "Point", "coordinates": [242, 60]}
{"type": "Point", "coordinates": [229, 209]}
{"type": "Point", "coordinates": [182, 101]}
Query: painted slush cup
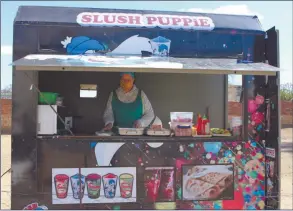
{"type": "Point", "coordinates": [110, 184]}
{"type": "Point", "coordinates": [61, 185]}
{"type": "Point", "coordinates": [126, 185]}
{"type": "Point", "coordinates": [93, 182]}
{"type": "Point", "coordinates": [78, 185]}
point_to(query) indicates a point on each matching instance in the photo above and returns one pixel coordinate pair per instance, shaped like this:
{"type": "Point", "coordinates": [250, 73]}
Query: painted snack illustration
{"type": "Point", "coordinates": [208, 182]}
{"type": "Point", "coordinates": [152, 182]}
{"type": "Point", "coordinates": [195, 170]}
{"type": "Point", "coordinates": [223, 180]}
{"type": "Point", "coordinates": [166, 191]}
{"type": "Point", "coordinates": [201, 190]}
{"type": "Point", "coordinates": [110, 184]}
{"type": "Point", "coordinates": [126, 185]}
{"type": "Point", "coordinates": [93, 182]}
{"type": "Point", "coordinates": [78, 185]}
{"type": "Point", "coordinates": [61, 185]}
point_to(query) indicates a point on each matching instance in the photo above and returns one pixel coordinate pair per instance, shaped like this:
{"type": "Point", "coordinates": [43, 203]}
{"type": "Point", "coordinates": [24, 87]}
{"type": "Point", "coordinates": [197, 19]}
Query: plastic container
{"type": "Point", "coordinates": [131, 131]}
{"type": "Point", "coordinates": [162, 132]}
{"type": "Point", "coordinates": [182, 117]}
{"type": "Point", "coordinates": [173, 125]}
{"type": "Point", "coordinates": [237, 131]}
{"type": "Point", "coordinates": [236, 126]}
{"type": "Point", "coordinates": [183, 130]}
{"type": "Point", "coordinates": [48, 97]}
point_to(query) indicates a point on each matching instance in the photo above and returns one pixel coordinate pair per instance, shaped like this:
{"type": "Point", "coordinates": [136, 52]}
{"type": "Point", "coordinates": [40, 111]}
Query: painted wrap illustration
{"type": "Point", "coordinates": [207, 182]}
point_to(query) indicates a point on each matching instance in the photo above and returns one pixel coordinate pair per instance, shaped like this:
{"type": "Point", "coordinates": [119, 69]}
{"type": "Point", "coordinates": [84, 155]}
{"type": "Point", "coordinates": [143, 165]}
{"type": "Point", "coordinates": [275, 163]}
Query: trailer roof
{"type": "Point", "coordinates": [47, 15]}
{"type": "Point", "coordinates": [45, 62]}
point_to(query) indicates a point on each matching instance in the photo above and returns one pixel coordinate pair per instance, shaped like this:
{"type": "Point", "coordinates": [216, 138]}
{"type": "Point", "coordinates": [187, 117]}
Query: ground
{"type": "Point", "coordinates": [286, 170]}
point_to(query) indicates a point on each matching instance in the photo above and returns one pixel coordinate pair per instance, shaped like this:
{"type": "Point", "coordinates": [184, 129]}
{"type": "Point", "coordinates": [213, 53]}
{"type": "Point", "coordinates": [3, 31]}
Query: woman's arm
{"type": "Point", "coordinates": [148, 112]}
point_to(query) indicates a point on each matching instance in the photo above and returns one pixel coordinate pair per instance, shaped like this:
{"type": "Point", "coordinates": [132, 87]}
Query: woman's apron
{"type": "Point", "coordinates": [125, 115]}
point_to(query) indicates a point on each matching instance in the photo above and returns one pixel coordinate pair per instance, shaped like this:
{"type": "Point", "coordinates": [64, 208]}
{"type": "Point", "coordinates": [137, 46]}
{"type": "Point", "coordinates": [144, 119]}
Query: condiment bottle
{"type": "Point", "coordinates": [199, 125]}
{"type": "Point", "coordinates": [204, 122]}
{"type": "Point", "coordinates": [207, 127]}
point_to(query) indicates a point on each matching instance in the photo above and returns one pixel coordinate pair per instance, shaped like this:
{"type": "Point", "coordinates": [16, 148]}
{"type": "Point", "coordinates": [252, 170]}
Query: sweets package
{"type": "Point", "coordinates": [159, 184]}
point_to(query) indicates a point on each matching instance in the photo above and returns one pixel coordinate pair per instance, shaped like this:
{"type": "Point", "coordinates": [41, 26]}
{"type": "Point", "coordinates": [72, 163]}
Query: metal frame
{"type": "Point", "coordinates": [279, 116]}
{"type": "Point", "coordinates": [142, 70]}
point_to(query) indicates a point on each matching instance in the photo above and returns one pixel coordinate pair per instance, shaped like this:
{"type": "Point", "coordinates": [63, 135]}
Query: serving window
{"type": "Point", "coordinates": [88, 91]}
{"type": "Point", "coordinates": [235, 112]}
{"type": "Point", "coordinates": [171, 84]}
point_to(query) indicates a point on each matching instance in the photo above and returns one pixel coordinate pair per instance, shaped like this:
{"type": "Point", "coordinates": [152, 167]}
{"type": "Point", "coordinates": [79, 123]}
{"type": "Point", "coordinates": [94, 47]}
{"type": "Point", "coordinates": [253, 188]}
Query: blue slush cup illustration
{"type": "Point", "coordinates": [110, 184]}
{"type": "Point", "coordinates": [78, 185]}
{"type": "Point", "coordinates": [161, 46]}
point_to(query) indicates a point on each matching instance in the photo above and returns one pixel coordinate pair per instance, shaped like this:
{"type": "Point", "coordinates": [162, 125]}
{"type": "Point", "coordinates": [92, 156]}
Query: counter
{"type": "Point", "coordinates": [133, 138]}
{"type": "Point", "coordinates": [136, 156]}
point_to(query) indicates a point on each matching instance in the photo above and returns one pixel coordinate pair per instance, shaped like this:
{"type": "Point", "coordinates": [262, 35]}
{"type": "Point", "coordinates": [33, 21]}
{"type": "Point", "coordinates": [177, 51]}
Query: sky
{"type": "Point", "coordinates": [270, 13]}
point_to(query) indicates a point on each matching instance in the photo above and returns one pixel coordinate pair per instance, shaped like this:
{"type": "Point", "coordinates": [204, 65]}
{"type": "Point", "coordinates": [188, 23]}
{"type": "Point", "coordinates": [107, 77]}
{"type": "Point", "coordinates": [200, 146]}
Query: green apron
{"type": "Point", "coordinates": [125, 114]}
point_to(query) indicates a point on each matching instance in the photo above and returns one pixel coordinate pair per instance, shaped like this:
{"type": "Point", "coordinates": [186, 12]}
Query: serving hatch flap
{"type": "Point", "coordinates": [98, 63]}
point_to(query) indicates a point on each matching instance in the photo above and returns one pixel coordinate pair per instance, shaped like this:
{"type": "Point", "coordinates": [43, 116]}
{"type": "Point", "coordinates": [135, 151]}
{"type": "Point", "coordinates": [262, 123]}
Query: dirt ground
{"type": "Point", "coordinates": [286, 170]}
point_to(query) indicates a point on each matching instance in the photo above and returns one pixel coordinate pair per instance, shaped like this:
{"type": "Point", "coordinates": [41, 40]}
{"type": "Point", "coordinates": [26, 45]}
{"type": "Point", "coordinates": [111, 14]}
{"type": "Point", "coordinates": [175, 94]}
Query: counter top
{"type": "Point", "coordinates": [135, 138]}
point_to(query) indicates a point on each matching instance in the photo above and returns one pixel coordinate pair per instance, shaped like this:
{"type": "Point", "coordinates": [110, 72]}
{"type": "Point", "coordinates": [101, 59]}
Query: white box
{"type": "Point", "coordinates": [47, 120]}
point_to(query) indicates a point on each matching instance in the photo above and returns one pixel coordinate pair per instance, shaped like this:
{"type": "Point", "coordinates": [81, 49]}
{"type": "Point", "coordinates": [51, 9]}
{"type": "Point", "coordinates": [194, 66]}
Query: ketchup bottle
{"type": "Point", "coordinates": [199, 125]}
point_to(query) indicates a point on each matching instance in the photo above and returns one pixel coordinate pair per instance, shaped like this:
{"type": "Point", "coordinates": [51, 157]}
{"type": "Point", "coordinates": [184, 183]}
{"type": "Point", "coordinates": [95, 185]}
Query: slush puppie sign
{"type": "Point", "coordinates": [146, 20]}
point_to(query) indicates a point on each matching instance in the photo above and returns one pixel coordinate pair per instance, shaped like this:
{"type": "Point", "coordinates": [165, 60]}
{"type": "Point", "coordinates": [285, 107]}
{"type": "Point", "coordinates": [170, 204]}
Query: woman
{"type": "Point", "coordinates": [128, 107]}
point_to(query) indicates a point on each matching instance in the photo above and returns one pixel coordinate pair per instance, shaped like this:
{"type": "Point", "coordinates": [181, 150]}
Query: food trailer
{"type": "Point", "coordinates": [182, 62]}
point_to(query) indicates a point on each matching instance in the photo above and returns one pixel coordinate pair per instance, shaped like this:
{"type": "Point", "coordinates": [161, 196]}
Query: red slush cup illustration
{"type": "Point", "coordinates": [61, 185]}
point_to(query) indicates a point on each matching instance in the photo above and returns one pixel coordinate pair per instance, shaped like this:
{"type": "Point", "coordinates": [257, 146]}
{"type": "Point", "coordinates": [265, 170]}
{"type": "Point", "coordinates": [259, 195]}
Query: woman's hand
{"type": "Point", "coordinates": [108, 127]}
{"type": "Point", "coordinates": [137, 124]}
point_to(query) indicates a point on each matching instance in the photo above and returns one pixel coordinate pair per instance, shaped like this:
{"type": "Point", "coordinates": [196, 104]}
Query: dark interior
{"type": "Point", "coordinates": [167, 93]}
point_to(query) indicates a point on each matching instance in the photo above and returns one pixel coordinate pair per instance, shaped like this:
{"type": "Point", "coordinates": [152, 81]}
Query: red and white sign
{"type": "Point", "coordinates": [270, 152]}
{"type": "Point", "coordinates": [146, 20]}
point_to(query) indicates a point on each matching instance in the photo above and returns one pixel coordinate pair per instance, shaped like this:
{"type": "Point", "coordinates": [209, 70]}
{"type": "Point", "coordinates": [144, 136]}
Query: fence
{"type": "Point", "coordinates": [6, 94]}
{"type": "Point", "coordinates": [6, 107]}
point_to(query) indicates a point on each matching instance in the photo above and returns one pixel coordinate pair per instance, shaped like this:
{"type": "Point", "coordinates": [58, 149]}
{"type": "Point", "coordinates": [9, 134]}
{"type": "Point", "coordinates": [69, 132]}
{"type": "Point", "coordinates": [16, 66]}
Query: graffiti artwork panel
{"type": "Point", "coordinates": [161, 175]}
{"type": "Point", "coordinates": [247, 159]}
{"type": "Point", "coordinates": [208, 182]}
{"type": "Point", "coordinates": [94, 185]}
